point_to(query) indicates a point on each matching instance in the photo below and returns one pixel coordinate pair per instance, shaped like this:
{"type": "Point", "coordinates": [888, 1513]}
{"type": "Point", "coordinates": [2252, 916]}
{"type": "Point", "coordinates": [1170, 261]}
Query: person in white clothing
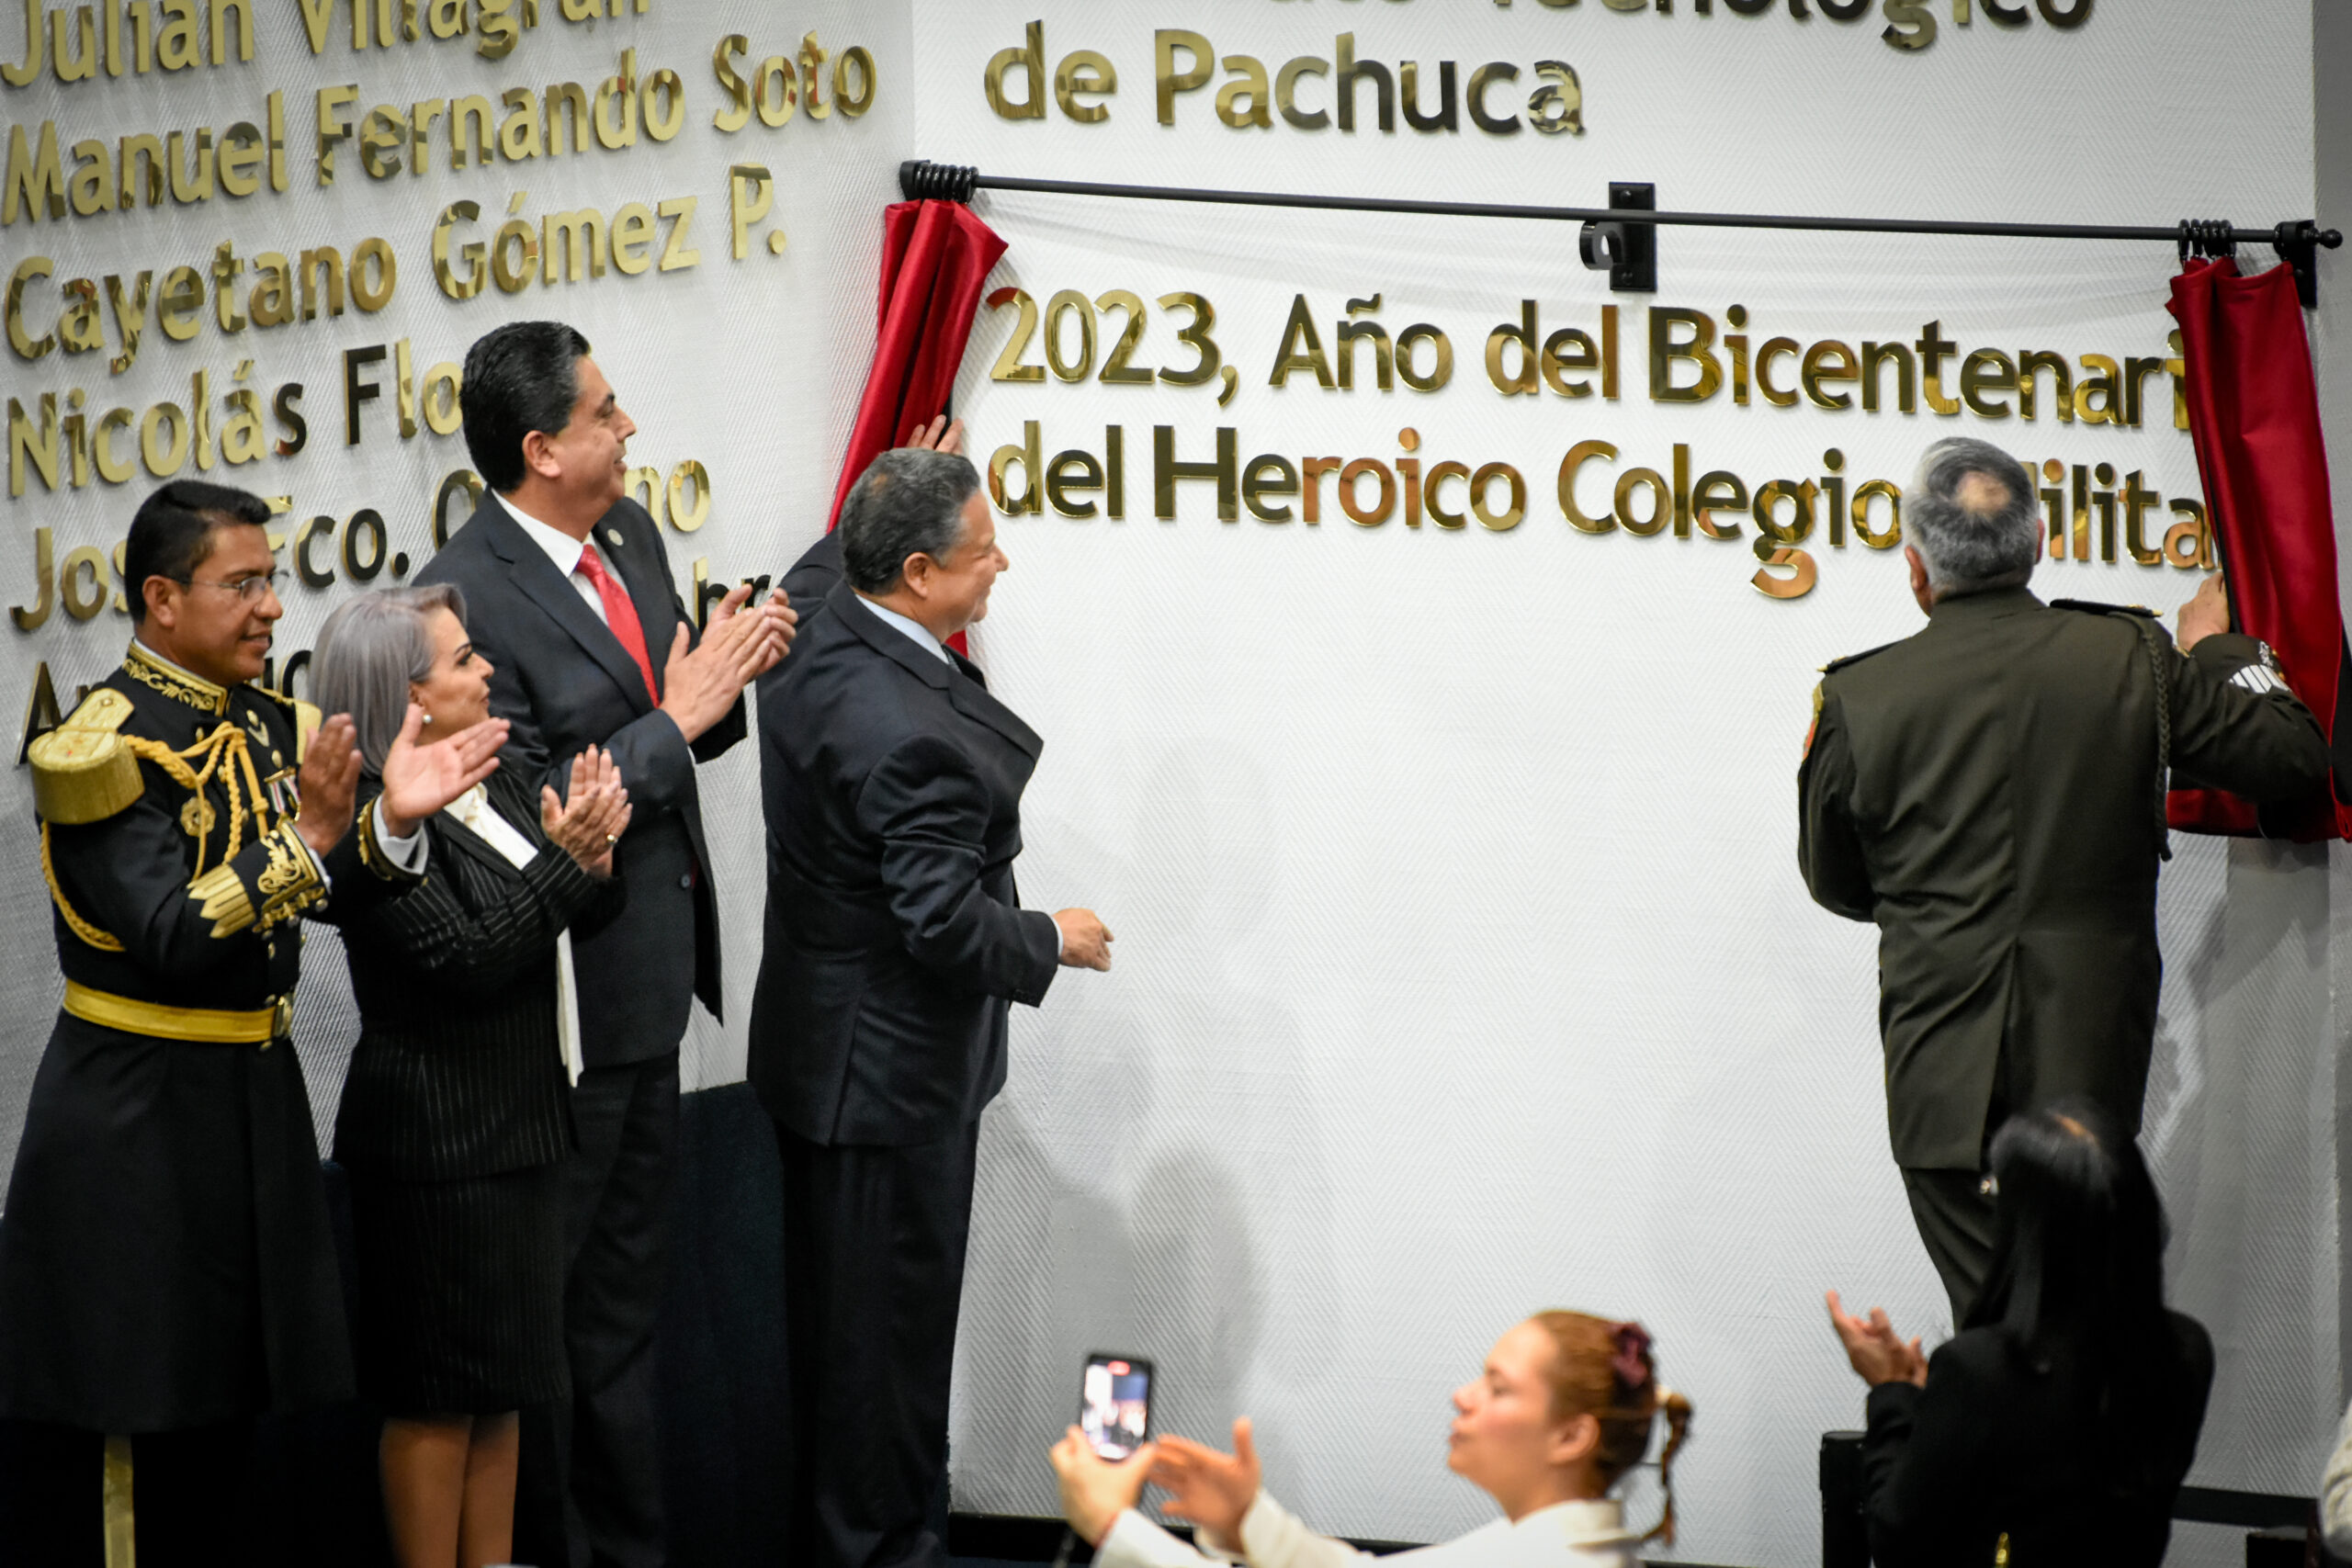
{"type": "Point", "coordinates": [1562, 1409]}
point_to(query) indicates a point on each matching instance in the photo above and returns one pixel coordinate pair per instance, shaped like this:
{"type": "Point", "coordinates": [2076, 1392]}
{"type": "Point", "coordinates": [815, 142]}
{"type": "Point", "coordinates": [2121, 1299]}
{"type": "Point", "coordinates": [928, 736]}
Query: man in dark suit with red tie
{"type": "Point", "coordinates": [896, 943]}
{"type": "Point", "coordinates": [569, 595]}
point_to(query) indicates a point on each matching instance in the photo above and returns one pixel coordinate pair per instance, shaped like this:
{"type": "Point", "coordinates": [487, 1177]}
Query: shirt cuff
{"type": "Point", "coordinates": [317, 866]}
{"type": "Point", "coordinates": [1270, 1532]}
{"type": "Point", "coordinates": [1133, 1542]}
{"type": "Point", "coordinates": [408, 854]}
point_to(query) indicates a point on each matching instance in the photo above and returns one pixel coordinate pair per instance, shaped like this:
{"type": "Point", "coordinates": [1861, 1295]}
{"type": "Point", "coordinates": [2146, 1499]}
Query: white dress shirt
{"type": "Point", "coordinates": [481, 819]}
{"type": "Point", "coordinates": [407, 853]}
{"type": "Point", "coordinates": [565, 552]}
{"type": "Point", "coordinates": [914, 628]}
{"type": "Point", "coordinates": [1566, 1535]}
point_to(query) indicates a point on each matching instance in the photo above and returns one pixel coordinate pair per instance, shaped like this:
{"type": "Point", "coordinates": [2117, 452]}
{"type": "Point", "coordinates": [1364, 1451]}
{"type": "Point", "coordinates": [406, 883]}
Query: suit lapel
{"type": "Point", "coordinates": [465, 840]}
{"type": "Point", "coordinates": [534, 574]}
{"type": "Point", "coordinates": [974, 700]}
{"type": "Point", "coordinates": [965, 691]}
{"type": "Point", "coordinates": [508, 799]}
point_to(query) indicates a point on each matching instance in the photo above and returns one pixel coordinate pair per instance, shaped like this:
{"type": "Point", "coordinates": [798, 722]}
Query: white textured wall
{"type": "Point", "coordinates": [1464, 967]}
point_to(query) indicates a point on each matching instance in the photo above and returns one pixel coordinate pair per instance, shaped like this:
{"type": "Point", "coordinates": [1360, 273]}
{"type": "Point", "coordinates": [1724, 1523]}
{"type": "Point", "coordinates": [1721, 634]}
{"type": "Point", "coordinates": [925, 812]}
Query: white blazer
{"type": "Point", "coordinates": [1566, 1535]}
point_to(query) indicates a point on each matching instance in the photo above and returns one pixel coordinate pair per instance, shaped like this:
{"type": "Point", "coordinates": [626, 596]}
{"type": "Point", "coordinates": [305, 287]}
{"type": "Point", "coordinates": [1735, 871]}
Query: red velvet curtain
{"type": "Point", "coordinates": [936, 255]}
{"type": "Point", "coordinates": [2254, 414]}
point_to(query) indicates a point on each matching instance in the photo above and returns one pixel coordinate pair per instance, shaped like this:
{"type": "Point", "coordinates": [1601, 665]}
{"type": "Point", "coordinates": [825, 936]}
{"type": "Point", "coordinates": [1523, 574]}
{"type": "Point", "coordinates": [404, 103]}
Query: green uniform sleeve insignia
{"type": "Point", "coordinates": [83, 771]}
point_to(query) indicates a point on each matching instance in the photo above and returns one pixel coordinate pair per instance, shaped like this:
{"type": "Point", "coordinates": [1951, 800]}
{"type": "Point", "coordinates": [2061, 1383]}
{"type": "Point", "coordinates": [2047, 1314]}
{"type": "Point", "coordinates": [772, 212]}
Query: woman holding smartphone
{"type": "Point", "coordinates": [1562, 1409]}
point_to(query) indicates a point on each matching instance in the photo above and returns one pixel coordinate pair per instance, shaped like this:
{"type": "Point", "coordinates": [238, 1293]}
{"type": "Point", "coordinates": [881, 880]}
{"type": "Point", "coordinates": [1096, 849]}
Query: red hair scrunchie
{"type": "Point", "coordinates": [1632, 1363]}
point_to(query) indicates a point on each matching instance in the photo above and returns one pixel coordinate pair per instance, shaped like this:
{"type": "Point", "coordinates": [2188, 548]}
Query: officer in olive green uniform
{"type": "Point", "coordinates": [165, 1264]}
{"type": "Point", "coordinates": [1990, 792]}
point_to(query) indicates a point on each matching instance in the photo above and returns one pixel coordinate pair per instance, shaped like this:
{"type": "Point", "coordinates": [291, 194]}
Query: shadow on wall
{"type": "Point", "coordinates": [2239, 1130]}
{"type": "Point", "coordinates": [1121, 1209]}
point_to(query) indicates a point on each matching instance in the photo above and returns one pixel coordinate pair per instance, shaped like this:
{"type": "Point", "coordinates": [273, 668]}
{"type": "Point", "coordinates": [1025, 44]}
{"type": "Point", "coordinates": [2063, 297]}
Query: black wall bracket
{"type": "Point", "coordinates": [1627, 251]}
{"type": "Point", "coordinates": [2298, 245]}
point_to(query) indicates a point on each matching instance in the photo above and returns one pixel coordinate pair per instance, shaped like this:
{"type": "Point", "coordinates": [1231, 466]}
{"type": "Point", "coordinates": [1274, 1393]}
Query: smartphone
{"type": "Point", "coordinates": [1114, 1404]}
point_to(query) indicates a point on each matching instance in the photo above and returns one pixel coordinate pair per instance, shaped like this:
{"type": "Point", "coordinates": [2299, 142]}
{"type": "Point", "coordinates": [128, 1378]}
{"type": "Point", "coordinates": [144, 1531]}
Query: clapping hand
{"type": "Point", "coordinates": [1879, 1354]}
{"type": "Point", "coordinates": [327, 781]}
{"type": "Point", "coordinates": [421, 779]}
{"type": "Point", "coordinates": [699, 684]}
{"type": "Point", "coordinates": [1211, 1489]}
{"type": "Point", "coordinates": [597, 816]}
{"type": "Point", "coordinates": [1096, 1491]}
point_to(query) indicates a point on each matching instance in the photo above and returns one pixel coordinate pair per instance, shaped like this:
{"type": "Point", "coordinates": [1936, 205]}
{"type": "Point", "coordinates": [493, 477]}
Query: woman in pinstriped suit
{"type": "Point", "coordinates": [456, 1118]}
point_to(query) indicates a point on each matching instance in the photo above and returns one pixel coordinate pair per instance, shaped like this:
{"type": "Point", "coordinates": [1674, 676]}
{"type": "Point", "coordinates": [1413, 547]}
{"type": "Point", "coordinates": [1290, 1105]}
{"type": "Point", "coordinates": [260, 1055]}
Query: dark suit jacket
{"type": "Point", "coordinates": [1987, 792]}
{"type": "Point", "coordinates": [458, 1071]}
{"type": "Point", "coordinates": [813, 578]}
{"type": "Point", "coordinates": [564, 681]}
{"type": "Point", "coordinates": [895, 935]}
{"type": "Point", "coordinates": [1991, 1447]}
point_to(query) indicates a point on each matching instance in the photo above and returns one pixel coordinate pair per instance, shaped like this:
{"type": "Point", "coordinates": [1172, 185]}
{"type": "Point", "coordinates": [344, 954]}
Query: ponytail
{"type": "Point", "coordinates": [1677, 1410]}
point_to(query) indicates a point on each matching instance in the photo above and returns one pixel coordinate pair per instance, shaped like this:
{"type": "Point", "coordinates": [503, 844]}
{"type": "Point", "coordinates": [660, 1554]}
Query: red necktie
{"type": "Point", "coordinates": [620, 615]}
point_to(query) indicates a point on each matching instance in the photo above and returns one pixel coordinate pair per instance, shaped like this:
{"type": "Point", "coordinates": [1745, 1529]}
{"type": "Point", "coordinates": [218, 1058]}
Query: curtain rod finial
{"type": "Point", "coordinates": [920, 179]}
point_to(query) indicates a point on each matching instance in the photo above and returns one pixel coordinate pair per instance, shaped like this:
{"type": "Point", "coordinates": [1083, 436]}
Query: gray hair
{"type": "Point", "coordinates": [909, 502]}
{"type": "Point", "coordinates": [1968, 549]}
{"type": "Point", "coordinates": [369, 652]}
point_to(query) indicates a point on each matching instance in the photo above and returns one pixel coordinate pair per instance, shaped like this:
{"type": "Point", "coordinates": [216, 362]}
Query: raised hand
{"type": "Point", "coordinates": [328, 781]}
{"type": "Point", "coordinates": [2206, 614]}
{"type": "Point", "coordinates": [588, 826]}
{"type": "Point", "coordinates": [939, 435]}
{"type": "Point", "coordinates": [1877, 1353]}
{"type": "Point", "coordinates": [421, 779]}
{"type": "Point", "coordinates": [1211, 1489]}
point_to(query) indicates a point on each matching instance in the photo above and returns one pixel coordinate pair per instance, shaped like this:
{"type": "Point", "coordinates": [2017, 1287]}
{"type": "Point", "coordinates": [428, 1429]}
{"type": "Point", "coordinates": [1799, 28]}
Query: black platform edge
{"type": "Point", "coordinates": [2250, 1510]}
{"type": "Point", "coordinates": [1016, 1537]}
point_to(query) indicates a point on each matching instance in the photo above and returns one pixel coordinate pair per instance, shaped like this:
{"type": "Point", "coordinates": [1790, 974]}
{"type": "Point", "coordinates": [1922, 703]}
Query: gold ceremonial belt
{"type": "Point", "coordinates": [207, 1026]}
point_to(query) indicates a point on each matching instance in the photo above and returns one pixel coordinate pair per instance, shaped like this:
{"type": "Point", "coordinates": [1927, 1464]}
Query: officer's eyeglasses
{"type": "Point", "coordinates": [249, 587]}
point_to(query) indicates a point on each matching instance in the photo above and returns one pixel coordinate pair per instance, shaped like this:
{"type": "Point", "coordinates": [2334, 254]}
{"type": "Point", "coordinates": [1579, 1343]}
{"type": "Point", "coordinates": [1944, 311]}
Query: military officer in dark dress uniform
{"type": "Point", "coordinates": [1991, 793]}
{"type": "Point", "coordinates": [166, 1267]}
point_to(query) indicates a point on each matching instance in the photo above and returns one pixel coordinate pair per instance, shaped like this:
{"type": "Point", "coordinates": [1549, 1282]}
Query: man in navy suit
{"type": "Point", "coordinates": [569, 595]}
{"type": "Point", "coordinates": [896, 943]}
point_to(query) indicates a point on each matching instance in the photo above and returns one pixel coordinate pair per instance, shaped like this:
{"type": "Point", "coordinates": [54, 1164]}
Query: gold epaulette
{"type": "Point", "coordinates": [306, 717]}
{"type": "Point", "coordinates": [83, 771]}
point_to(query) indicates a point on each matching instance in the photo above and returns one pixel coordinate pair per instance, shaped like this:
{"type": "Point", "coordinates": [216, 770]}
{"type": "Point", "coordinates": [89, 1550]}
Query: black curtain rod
{"type": "Point", "coordinates": [920, 178]}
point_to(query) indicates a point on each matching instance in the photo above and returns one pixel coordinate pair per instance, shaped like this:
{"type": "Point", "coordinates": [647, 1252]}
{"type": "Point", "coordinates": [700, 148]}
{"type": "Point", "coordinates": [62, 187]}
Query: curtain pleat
{"type": "Point", "coordinates": [2254, 414]}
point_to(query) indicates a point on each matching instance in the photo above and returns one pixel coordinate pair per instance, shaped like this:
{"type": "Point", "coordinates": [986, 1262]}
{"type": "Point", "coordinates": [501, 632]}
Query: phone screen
{"type": "Point", "coordinates": [1114, 1404]}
